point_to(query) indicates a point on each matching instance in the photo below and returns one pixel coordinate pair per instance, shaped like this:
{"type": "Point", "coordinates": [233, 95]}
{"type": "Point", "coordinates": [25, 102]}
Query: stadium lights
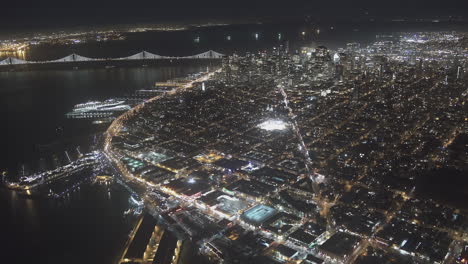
{"type": "Point", "coordinates": [273, 124]}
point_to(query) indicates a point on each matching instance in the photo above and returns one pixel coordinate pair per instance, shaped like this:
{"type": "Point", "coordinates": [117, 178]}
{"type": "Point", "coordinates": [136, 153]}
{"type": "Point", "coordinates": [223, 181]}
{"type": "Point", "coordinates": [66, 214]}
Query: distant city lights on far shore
{"type": "Point", "coordinates": [273, 124]}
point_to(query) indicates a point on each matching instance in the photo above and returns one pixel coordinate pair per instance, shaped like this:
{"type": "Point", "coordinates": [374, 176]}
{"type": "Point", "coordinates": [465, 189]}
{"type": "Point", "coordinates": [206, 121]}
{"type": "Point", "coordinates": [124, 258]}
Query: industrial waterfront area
{"type": "Point", "coordinates": [291, 152]}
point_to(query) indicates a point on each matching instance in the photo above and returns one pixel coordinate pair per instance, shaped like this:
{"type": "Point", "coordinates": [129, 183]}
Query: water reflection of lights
{"type": "Point", "coordinates": [19, 54]}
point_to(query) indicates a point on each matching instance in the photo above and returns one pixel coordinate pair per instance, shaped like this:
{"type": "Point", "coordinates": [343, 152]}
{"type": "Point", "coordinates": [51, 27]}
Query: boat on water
{"type": "Point", "coordinates": [98, 109]}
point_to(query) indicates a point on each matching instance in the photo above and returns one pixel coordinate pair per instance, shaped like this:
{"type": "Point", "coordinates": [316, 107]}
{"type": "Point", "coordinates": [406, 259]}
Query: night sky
{"type": "Point", "coordinates": [31, 14]}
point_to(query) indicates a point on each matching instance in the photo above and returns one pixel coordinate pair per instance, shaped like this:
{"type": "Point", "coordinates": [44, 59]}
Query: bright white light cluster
{"type": "Point", "coordinates": [191, 180]}
{"type": "Point", "coordinates": [273, 124]}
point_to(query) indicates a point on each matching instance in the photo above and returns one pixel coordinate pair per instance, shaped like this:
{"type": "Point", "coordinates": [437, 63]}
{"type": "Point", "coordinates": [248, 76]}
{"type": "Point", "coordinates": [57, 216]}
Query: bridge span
{"type": "Point", "coordinates": [75, 59]}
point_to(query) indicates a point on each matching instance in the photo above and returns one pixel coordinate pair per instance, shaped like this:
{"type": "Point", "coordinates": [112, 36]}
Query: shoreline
{"type": "Point", "coordinates": [116, 124]}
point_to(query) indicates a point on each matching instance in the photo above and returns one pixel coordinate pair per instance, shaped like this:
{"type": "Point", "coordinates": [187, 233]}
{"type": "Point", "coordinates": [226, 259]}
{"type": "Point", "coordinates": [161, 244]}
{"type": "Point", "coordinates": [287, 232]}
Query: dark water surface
{"type": "Point", "coordinates": [86, 227]}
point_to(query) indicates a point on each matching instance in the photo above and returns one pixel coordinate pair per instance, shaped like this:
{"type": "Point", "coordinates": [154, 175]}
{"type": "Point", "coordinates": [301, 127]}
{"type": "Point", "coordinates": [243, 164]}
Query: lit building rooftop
{"type": "Point", "coordinates": [258, 214]}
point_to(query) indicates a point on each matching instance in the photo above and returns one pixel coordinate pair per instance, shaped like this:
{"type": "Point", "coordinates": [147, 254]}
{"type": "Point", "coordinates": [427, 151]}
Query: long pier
{"type": "Point", "coordinates": [35, 183]}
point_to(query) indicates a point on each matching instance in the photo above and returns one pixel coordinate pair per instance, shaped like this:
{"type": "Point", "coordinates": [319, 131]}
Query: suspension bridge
{"type": "Point", "coordinates": [141, 56]}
